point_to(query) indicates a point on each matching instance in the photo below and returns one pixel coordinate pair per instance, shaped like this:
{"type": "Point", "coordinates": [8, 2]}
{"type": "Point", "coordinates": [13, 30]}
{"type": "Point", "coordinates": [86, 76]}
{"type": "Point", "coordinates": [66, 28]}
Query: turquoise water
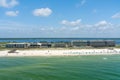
{"type": "Point", "coordinates": [60, 68]}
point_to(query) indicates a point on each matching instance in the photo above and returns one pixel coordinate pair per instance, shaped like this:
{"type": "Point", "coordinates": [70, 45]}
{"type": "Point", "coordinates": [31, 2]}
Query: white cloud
{"type": "Point", "coordinates": [117, 15]}
{"type": "Point", "coordinates": [71, 23]}
{"type": "Point", "coordinates": [12, 13]}
{"type": "Point", "coordinates": [95, 11]}
{"type": "Point", "coordinates": [101, 23]}
{"type": "Point", "coordinates": [42, 12]}
{"type": "Point", "coordinates": [83, 30]}
{"type": "Point", "coordinates": [43, 29]}
{"type": "Point", "coordinates": [78, 27]}
{"type": "Point", "coordinates": [8, 3]}
{"type": "Point", "coordinates": [75, 28]}
{"type": "Point", "coordinates": [83, 2]}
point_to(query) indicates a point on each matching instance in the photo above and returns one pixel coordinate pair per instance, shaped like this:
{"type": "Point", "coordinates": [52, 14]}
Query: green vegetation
{"type": "Point", "coordinates": [2, 45]}
{"type": "Point", "coordinates": [117, 46]}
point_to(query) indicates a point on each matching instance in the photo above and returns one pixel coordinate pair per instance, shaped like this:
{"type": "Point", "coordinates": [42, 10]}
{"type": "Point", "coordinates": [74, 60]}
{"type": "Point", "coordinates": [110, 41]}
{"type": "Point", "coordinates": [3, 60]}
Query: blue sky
{"type": "Point", "coordinates": [60, 18]}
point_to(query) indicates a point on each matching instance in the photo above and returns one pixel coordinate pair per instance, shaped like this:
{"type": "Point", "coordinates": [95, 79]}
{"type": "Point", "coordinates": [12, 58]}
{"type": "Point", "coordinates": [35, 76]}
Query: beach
{"type": "Point", "coordinates": [59, 52]}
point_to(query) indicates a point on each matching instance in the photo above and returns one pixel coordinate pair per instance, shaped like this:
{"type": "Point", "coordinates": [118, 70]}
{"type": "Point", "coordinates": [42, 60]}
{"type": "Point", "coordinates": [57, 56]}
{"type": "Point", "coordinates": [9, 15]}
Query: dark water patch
{"type": "Point", "coordinates": [117, 40]}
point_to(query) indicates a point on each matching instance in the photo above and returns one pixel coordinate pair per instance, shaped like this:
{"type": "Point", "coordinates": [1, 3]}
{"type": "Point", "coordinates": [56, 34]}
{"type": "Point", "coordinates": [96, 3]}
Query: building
{"type": "Point", "coordinates": [46, 45]}
{"type": "Point", "coordinates": [79, 43]}
{"type": "Point", "coordinates": [59, 45]}
{"type": "Point", "coordinates": [17, 45]}
{"type": "Point", "coordinates": [97, 43]}
{"type": "Point", "coordinates": [110, 43]}
{"type": "Point", "coordinates": [35, 45]}
{"type": "Point", "coordinates": [68, 44]}
{"type": "Point", "coordinates": [75, 43]}
{"type": "Point", "coordinates": [102, 43]}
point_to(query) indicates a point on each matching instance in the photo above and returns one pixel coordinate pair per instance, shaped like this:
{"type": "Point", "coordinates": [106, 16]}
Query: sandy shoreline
{"type": "Point", "coordinates": [63, 52]}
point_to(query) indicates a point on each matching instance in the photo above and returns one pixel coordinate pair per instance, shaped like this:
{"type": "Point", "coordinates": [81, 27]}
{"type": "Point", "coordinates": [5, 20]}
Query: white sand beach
{"type": "Point", "coordinates": [58, 52]}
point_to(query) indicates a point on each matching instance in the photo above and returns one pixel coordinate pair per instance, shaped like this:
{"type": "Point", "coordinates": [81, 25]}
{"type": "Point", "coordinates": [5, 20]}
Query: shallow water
{"type": "Point", "coordinates": [60, 68]}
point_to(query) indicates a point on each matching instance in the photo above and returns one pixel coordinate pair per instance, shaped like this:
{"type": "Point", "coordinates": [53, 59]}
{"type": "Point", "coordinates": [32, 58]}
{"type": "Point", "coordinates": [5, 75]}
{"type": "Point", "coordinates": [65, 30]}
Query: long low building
{"type": "Point", "coordinates": [102, 43]}
{"type": "Point", "coordinates": [17, 45]}
{"type": "Point", "coordinates": [75, 43]}
{"type": "Point", "coordinates": [46, 45]}
{"type": "Point", "coordinates": [110, 43]}
{"type": "Point", "coordinates": [28, 45]}
{"type": "Point", "coordinates": [78, 43]}
{"type": "Point", "coordinates": [60, 45]}
{"type": "Point", "coordinates": [97, 43]}
{"type": "Point", "coordinates": [93, 43]}
{"type": "Point", "coordinates": [35, 45]}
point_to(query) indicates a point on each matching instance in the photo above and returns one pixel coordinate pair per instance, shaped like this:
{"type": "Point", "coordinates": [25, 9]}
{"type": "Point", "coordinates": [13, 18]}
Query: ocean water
{"type": "Point", "coordinates": [60, 68]}
{"type": "Point", "coordinates": [117, 40]}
